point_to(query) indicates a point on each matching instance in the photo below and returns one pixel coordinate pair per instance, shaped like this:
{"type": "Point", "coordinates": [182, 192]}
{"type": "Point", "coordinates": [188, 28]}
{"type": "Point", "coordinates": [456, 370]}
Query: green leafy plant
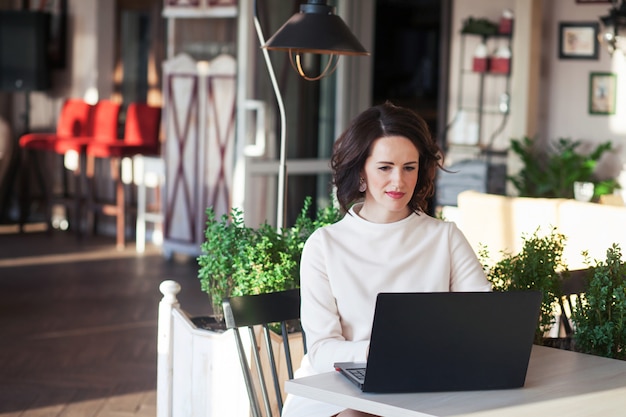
{"type": "Point", "coordinates": [552, 172]}
{"type": "Point", "coordinates": [600, 317]}
{"type": "Point", "coordinates": [536, 267]}
{"type": "Point", "coordinates": [240, 260]}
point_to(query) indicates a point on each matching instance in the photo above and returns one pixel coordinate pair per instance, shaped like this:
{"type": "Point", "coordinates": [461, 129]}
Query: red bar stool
{"type": "Point", "coordinates": [141, 136]}
{"type": "Point", "coordinates": [105, 124]}
{"type": "Point", "coordinates": [75, 121]}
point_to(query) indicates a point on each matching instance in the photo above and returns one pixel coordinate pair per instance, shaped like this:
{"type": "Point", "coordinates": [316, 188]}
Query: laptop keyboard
{"type": "Point", "coordinates": [358, 373]}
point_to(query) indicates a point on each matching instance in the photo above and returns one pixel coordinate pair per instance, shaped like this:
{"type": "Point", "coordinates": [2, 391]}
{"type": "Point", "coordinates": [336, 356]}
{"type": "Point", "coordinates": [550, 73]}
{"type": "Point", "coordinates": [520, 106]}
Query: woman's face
{"type": "Point", "coordinates": [390, 173]}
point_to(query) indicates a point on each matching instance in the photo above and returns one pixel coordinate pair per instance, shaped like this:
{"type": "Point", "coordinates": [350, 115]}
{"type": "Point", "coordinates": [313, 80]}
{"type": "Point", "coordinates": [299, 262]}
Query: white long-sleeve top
{"type": "Point", "coordinates": [345, 265]}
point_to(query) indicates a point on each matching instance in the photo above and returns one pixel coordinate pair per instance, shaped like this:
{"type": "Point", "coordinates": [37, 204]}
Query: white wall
{"type": "Point", "coordinates": [565, 83]}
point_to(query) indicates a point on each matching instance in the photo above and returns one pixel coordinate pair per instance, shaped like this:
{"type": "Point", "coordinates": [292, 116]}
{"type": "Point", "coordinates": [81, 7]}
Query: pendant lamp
{"type": "Point", "coordinates": [316, 29]}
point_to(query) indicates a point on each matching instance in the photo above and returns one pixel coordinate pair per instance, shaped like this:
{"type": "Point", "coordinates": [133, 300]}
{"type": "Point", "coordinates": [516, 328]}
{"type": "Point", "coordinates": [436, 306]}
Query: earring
{"type": "Point", "coordinates": [362, 185]}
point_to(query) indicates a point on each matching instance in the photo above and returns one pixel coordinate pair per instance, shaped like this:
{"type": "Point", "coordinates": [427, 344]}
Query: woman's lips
{"type": "Point", "coordinates": [395, 194]}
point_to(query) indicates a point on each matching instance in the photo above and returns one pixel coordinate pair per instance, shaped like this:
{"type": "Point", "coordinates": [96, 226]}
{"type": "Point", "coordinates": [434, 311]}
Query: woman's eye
{"type": "Point", "coordinates": [410, 168]}
{"type": "Point", "coordinates": [384, 168]}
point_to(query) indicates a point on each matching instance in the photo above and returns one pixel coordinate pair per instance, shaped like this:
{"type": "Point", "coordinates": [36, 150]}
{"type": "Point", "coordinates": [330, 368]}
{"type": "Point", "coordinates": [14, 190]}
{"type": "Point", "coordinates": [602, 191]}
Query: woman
{"type": "Point", "coordinates": [384, 167]}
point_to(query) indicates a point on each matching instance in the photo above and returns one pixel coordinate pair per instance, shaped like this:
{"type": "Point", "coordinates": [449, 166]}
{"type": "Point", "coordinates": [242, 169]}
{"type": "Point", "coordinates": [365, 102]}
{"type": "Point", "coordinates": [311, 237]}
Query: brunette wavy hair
{"type": "Point", "coordinates": [354, 146]}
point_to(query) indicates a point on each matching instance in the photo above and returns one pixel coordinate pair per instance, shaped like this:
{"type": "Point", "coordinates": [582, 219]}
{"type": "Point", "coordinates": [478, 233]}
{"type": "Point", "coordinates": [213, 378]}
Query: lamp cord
{"type": "Point", "coordinates": [282, 165]}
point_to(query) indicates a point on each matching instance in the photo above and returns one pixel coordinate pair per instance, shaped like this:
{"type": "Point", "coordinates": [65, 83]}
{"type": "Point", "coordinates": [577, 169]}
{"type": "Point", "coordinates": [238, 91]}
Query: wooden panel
{"type": "Point", "coordinates": [199, 146]}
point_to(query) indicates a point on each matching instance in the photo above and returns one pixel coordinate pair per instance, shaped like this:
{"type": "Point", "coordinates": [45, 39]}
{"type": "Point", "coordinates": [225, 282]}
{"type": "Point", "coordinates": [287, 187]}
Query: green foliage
{"type": "Point", "coordinates": [600, 318]}
{"type": "Point", "coordinates": [536, 267]}
{"type": "Point", "coordinates": [225, 238]}
{"type": "Point", "coordinates": [552, 172]}
{"type": "Point", "coordinates": [240, 260]}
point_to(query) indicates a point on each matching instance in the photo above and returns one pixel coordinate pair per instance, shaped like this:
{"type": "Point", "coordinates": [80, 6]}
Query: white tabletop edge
{"type": "Point", "coordinates": [338, 397]}
{"type": "Point", "coordinates": [558, 381]}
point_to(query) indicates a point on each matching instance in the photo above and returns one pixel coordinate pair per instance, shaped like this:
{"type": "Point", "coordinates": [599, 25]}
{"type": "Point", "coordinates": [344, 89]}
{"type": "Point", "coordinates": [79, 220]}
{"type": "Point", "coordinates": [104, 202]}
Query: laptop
{"type": "Point", "coordinates": [448, 341]}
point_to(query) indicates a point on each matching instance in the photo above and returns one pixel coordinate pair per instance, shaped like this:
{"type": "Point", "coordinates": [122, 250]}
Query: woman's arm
{"type": "Point", "coordinates": [320, 317]}
{"type": "Point", "coordinates": [466, 272]}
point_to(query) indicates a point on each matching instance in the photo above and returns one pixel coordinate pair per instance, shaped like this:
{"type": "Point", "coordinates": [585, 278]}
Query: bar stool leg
{"type": "Point", "coordinates": [25, 194]}
{"type": "Point", "coordinates": [34, 160]}
{"type": "Point", "coordinates": [80, 196]}
{"type": "Point", "coordinates": [90, 195]}
{"type": "Point", "coordinates": [120, 210]}
{"type": "Point", "coordinates": [140, 232]}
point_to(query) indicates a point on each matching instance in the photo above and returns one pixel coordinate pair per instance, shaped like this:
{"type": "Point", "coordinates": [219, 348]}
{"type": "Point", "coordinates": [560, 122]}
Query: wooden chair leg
{"type": "Point", "coordinates": [90, 195]}
{"type": "Point", "coordinates": [81, 192]}
{"type": "Point", "coordinates": [25, 194]}
{"type": "Point", "coordinates": [140, 223]}
{"type": "Point", "coordinates": [33, 160]}
{"type": "Point", "coordinates": [46, 186]}
{"type": "Point", "coordinates": [121, 223]}
{"type": "Point", "coordinates": [120, 203]}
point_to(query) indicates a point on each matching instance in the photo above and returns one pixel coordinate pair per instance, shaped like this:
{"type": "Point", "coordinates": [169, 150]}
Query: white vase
{"type": "Point", "coordinates": [583, 190]}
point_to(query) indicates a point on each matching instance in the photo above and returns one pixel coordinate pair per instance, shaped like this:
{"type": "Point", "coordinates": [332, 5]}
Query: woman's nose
{"type": "Point", "coordinates": [396, 176]}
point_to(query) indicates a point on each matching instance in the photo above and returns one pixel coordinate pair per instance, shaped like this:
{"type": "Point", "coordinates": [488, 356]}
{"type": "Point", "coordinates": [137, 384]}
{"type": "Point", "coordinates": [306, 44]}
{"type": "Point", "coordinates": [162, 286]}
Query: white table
{"type": "Point", "coordinates": [558, 382]}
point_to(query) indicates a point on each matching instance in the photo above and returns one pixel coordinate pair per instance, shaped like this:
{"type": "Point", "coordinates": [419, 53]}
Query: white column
{"type": "Point", "coordinates": [527, 41]}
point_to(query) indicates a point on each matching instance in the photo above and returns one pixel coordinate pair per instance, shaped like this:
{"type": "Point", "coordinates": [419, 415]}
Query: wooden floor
{"type": "Point", "coordinates": [78, 324]}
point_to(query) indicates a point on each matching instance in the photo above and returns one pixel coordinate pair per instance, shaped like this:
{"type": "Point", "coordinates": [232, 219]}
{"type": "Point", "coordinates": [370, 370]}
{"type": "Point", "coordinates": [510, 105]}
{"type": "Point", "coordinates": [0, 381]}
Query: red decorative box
{"type": "Point", "coordinates": [480, 64]}
{"type": "Point", "coordinates": [500, 65]}
{"type": "Point", "coordinates": [506, 26]}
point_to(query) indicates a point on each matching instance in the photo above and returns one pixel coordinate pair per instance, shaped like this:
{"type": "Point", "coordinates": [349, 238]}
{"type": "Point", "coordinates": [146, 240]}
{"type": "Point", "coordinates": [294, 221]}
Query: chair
{"type": "Point", "coordinates": [75, 121]}
{"type": "Point", "coordinates": [263, 310]}
{"type": "Point", "coordinates": [103, 130]}
{"type": "Point", "coordinates": [573, 286]}
{"type": "Point", "coordinates": [141, 136]}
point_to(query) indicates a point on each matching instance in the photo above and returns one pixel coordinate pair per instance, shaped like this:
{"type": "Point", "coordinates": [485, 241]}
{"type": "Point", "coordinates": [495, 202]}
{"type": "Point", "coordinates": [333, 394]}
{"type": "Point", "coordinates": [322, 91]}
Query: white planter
{"type": "Point", "coordinates": [198, 371]}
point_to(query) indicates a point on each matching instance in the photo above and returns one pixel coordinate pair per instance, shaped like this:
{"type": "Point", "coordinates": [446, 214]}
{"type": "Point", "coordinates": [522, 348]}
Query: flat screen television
{"type": "Point", "coordinates": [24, 57]}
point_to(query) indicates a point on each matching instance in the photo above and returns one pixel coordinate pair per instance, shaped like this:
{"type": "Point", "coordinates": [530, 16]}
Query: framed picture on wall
{"type": "Point", "coordinates": [602, 92]}
{"type": "Point", "coordinates": [578, 40]}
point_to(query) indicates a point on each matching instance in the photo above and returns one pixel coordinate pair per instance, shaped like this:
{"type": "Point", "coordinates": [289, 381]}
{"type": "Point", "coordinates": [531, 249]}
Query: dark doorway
{"type": "Point", "coordinates": [411, 59]}
{"type": "Point", "coordinates": [408, 59]}
{"type": "Point", "coordinates": [139, 51]}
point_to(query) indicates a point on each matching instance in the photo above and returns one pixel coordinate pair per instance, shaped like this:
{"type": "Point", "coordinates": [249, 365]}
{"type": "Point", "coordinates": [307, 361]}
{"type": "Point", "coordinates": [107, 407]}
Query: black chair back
{"type": "Point", "coordinates": [573, 286]}
{"type": "Point", "coordinates": [278, 311]}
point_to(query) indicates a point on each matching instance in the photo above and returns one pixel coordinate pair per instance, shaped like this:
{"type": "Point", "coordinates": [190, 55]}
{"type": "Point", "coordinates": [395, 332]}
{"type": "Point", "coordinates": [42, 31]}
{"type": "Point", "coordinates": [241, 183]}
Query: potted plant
{"type": "Point", "coordinates": [196, 355]}
{"type": "Point", "coordinates": [240, 260]}
{"type": "Point", "coordinates": [537, 266]}
{"type": "Point", "coordinates": [552, 172]}
{"type": "Point", "coordinates": [600, 316]}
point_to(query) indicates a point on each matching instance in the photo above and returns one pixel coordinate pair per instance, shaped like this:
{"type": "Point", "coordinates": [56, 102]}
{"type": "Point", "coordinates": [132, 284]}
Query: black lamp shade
{"type": "Point", "coordinates": [316, 33]}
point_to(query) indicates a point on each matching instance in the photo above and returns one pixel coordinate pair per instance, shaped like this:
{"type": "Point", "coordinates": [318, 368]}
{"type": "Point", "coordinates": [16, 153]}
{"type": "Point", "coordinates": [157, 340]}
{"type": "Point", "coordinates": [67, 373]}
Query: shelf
{"type": "Point", "coordinates": [467, 71]}
{"type": "Point", "coordinates": [493, 35]}
{"type": "Point", "coordinates": [484, 94]}
{"type": "Point", "coordinates": [484, 110]}
{"type": "Point", "coordinates": [216, 12]}
{"type": "Point", "coordinates": [477, 148]}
